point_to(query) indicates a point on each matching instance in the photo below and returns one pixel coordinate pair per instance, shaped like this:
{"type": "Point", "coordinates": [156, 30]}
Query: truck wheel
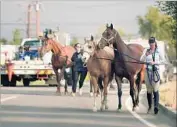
{"type": "Point", "coordinates": [26, 82]}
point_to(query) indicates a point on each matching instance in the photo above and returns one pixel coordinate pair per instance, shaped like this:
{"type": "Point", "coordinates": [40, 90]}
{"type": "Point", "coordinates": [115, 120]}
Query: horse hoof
{"type": "Point", "coordinates": [106, 107]}
{"type": "Point", "coordinates": [58, 93]}
{"type": "Point", "coordinates": [91, 94]}
{"type": "Point", "coordinates": [133, 109]}
{"type": "Point", "coordinates": [80, 92]}
{"type": "Point", "coordinates": [101, 108]}
{"type": "Point", "coordinates": [119, 107]}
{"type": "Point", "coordinates": [94, 109]}
{"type": "Point", "coordinates": [98, 95]}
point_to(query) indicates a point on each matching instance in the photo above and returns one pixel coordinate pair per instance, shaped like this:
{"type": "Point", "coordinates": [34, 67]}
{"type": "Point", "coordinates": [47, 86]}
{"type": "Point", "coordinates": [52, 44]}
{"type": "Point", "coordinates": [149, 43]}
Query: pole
{"type": "Point", "coordinates": [37, 19]}
{"type": "Point", "coordinates": [29, 21]}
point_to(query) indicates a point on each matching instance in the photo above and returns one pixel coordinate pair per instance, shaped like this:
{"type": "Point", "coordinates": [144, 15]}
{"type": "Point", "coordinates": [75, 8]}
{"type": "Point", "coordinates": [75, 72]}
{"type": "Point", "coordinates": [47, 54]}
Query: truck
{"type": "Point", "coordinates": [28, 70]}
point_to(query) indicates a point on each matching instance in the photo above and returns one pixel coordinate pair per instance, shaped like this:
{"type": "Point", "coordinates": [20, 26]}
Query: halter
{"type": "Point", "coordinates": [108, 40]}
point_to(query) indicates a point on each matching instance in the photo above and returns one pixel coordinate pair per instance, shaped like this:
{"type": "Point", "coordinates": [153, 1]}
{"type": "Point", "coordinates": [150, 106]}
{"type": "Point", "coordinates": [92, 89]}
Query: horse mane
{"type": "Point", "coordinates": [56, 47]}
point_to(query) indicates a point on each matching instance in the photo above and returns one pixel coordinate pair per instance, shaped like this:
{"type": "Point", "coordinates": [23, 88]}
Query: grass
{"type": "Point", "coordinates": [168, 94]}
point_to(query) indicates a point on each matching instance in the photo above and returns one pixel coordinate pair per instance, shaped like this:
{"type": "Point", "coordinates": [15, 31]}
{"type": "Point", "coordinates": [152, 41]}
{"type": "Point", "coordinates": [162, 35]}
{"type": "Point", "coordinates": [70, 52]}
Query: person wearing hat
{"type": "Point", "coordinates": [153, 58]}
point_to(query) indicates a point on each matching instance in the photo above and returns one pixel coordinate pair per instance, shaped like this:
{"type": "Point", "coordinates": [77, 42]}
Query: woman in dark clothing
{"type": "Point", "coordinates": [78, 70]}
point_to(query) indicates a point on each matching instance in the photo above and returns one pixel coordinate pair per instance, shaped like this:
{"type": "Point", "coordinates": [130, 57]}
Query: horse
{"type": "Point", "coordinates": [126, 63]}
{"type": "Point", "coordinates": [61, 57]}
{"type": "Point", "coordinates": [99, 69]}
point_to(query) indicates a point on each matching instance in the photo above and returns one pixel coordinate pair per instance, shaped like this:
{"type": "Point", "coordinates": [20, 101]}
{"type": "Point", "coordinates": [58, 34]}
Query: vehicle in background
{"type": "Point", "coordinates": [29, 69]}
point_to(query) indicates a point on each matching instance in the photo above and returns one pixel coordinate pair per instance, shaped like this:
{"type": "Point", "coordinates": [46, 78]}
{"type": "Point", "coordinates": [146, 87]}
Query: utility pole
{"type": "Point", "coordinates": [29, 22]}
{"type": "Point", "coordinates": [37, 18]}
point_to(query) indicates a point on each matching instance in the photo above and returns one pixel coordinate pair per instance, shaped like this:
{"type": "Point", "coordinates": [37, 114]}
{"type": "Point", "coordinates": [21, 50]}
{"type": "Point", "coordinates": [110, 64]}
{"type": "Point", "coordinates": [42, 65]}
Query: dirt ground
{"type": "Point", "coordinates": [168, 94]}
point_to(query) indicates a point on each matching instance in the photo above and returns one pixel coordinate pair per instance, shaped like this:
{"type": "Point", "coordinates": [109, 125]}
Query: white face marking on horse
{"type": "Point", "coordinates": [88, 49]}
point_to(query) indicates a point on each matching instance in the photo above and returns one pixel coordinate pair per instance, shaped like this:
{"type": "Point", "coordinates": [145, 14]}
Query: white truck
{"type": "Point", "coordinates": [27, 70]}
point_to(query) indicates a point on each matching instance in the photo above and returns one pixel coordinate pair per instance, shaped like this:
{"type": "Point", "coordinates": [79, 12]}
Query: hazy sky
{"type": "Point", "coordinates": [79, 18]}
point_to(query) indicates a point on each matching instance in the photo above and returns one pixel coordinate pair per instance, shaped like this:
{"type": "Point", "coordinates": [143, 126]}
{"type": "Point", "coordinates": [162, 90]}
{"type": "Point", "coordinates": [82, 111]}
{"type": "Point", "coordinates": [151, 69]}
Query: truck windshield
{"type": "Point", "coordinates": [32, 43]}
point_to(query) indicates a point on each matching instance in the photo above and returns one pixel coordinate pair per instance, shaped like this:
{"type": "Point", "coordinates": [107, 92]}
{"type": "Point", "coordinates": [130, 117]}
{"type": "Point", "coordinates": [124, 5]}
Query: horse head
{"type": "Point", "coordinates": [88, 49]}
{"type": "Point", "coordinates": [108, 36]}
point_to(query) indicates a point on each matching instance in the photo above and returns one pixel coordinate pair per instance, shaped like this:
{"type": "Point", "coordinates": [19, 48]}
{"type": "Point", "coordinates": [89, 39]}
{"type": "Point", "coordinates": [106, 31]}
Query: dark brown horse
{"type": "Point", "coordinates": [61, 57]}
{"type": "Point", "coordinates": [126, 63]}
{"type": "Point", "coordinates": [99, 69]}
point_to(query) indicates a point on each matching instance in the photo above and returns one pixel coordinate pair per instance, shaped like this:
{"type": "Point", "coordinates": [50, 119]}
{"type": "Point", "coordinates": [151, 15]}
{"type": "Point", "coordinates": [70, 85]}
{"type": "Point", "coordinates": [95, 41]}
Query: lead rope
{"type": "Point", "coordinates": [154, 71]}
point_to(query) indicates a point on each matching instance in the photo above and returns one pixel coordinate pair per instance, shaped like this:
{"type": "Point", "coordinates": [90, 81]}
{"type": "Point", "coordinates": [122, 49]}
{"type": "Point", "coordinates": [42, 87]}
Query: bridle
{"type": "Point", "coordinates": [108, 40]}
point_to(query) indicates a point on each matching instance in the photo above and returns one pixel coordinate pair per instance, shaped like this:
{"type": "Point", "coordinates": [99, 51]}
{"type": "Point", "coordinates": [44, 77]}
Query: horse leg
{"type": "Point", "coordinates": [59, 77]}
{"type": "Point", "coordinates": [66, 87]}
{"type": "Point", "coordinates": [133, 91]}
{"type": "Point", "coordinates": [119, 87]}
{"type": "Point", "coordinates": [91, 89]}
{"type": "Point", "coordinates": [139, 82]}
{"type": "Point", "coordinates": [100, 86]}
{"type": "Point", "coordinates": [105, 100]}
{"type": "Point", "coordinates": [94, 83]}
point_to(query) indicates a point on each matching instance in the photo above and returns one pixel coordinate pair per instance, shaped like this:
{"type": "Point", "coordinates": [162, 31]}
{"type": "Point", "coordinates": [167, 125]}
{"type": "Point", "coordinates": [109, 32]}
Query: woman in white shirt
{"type": "Point", "coordinates": [152, 77]}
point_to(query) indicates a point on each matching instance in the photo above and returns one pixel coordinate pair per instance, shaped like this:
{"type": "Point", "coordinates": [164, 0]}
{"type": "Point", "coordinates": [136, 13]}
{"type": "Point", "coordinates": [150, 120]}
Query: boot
{"type": "Point", "coordinates": [149, 98]}
{"type": "Point", "coordinates": [156, 102]}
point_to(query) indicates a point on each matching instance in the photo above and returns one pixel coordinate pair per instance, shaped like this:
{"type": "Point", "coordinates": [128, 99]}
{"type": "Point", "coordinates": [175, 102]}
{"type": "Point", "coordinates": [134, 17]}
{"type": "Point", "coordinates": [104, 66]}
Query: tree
{"type": "Point", "coordinates": [170, 8]}
{"type": "Point", "coordinates": [16, 37]}
{"type": "Point", "coordinates": [3, 41]}
{"type": "Point", "coordinates": [157, 24]}
{"type": "Point", "coordinates": [74, 41]}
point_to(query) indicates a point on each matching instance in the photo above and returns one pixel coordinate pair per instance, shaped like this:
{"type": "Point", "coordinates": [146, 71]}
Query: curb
{"type": "Point", "coordinates": [171, 114]}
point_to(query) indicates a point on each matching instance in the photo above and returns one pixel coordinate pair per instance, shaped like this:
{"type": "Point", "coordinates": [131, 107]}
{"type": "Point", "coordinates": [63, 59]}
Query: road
{"type": "Point", "coordinates": [40, 107]}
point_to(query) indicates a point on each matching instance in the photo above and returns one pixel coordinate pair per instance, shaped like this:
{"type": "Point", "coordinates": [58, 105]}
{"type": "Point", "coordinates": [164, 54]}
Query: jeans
{"type": "Point", "coordinates": [75, 76]}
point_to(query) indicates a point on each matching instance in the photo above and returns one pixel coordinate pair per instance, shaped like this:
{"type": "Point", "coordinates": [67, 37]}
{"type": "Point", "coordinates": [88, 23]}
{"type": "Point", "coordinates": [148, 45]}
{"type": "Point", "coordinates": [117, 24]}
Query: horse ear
{"type": "Point", "coordinates": [92, 38]}
{"type": "Point", "coordinates": [111, 26]}
{"type": "Point", "coordinates": [107, 25]}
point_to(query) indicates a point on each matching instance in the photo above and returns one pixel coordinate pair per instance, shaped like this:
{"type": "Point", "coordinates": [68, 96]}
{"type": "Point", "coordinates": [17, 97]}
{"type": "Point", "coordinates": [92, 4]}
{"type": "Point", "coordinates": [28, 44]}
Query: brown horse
{"type": "Point", "coordinates": [99, 69]}
{"type": "Point", "coordinates": [126, 64]}
{"type": "Point", "coordinates": [61, 58]}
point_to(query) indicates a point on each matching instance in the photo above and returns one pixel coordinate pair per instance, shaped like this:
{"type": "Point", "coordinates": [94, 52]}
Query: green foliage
{"type": "Point", "coordinates": [156, 24]}
{"type": "Point", "coordinates": [74, 41]}
{"type": "Point", "coordinates": [170, 8]}
{"type": "Point", "coordinates": [16, 37]}
{"type": "Point", "coordinates": [3, 41]}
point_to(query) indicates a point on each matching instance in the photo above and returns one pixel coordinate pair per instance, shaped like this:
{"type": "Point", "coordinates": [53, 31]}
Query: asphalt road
{"type": "Point", "coordinates": [40, 107]}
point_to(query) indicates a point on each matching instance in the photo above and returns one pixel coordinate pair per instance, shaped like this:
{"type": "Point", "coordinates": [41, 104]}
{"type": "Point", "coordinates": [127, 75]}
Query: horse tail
{"type": "Point", "coordinates": [140, 78]}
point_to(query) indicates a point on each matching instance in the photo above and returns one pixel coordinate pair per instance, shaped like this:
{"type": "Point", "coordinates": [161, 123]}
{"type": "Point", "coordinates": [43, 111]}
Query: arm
{"type": "Point", "coordinates": [162, 59]}
{"type": "Point", "coordinates": [143, 56]}
{"type": "Point", "coordinates": [73, 57]}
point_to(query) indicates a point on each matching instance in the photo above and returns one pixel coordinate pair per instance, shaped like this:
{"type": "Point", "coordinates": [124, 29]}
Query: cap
{"type": "Point", "coordinates": [152, 40]}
